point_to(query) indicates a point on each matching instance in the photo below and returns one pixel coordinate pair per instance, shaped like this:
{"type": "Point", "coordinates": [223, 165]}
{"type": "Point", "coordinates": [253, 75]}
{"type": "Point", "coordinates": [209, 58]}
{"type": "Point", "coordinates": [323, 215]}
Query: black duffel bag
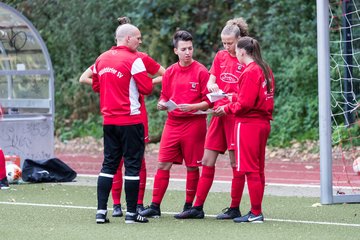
{"type": "Point", "coordinates": [50, 170]}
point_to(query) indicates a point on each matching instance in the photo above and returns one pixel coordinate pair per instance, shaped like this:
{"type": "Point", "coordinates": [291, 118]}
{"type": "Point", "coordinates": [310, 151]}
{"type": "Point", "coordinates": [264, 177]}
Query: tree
{"type": "Point", "coordinates": [76, 32]}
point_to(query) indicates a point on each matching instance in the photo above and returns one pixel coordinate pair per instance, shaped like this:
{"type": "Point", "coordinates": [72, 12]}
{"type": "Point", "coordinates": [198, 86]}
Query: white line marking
{"type": "Point", "coordinates": [172, 213]}
{"type": "Point", "coordinates": [46, 205]}
{"type": "Point", "coordinates": [313, 222]}
{"type": "Point", "coordinates": [88, 175]}
{"type": "Point", "coordinates": [229, 182]}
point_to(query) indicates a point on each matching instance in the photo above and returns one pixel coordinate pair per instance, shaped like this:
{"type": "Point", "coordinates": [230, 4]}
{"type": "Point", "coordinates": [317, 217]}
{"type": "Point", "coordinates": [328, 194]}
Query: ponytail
{"type": "Point", "coordinates": [252, 48]}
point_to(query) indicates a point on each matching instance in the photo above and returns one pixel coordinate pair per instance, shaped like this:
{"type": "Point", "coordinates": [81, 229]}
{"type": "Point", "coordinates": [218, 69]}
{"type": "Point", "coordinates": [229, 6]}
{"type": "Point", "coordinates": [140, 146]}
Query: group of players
{"type": "Point", "coordinates": [240, 122]}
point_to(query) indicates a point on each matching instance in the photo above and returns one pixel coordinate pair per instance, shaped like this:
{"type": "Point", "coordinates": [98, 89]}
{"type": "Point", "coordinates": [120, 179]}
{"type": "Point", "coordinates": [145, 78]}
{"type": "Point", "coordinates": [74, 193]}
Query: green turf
{"type": "Point", "coordinates": [47, 222]}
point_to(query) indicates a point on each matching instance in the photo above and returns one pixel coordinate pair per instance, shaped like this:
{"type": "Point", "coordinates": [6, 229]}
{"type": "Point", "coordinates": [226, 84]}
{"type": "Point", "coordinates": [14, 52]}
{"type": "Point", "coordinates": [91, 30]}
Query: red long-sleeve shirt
{"type": "Point", "coordinates": [120, 76]}
{"type": "Point", "coordinates": [253, 102]}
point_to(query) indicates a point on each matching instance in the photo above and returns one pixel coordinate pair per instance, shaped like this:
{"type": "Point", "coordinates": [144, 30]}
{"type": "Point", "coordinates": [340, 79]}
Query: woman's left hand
{"type": "Point", "coordinates": [185, 107]}
{"type": "Point", "coordinates": [219, 111]}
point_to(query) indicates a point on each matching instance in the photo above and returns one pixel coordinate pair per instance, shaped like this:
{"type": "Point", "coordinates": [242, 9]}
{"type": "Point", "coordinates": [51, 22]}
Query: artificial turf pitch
{"type": "Point", "coordinates": [60, 211]}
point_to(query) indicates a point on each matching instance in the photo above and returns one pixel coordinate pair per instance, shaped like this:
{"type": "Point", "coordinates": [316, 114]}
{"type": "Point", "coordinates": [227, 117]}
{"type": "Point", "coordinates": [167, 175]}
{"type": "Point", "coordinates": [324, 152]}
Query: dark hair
{"type": "Point", "coordinates": [123, 20]}
{"type": "Point", "coordinates": [252, 48]}
{"type": "Point", "coordinates": [181, 35]}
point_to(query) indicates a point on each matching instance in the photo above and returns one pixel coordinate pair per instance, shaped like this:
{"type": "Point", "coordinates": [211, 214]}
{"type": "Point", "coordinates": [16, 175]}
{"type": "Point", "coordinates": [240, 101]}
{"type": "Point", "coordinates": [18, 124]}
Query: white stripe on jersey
{"type": "Point", "coordinates": [134, 97]}
{"type": "Point", "coordinates": [137, 66]}
{"type": "Point", "coordinates": [238, 146]}
{"type": "Point", "coordinates": [94, 69]}
{"type": "Point", "coordinates": [131, 177]}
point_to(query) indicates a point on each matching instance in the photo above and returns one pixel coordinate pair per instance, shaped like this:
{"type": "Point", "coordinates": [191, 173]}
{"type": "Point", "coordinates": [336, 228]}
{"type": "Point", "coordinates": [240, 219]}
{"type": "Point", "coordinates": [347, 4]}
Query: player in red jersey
{"type": "Point", "coordinates": [253, 107]}
{"type": "Point", "coordinates": [120, 76]}
{"type": "Point", "coordinates": [183, 88]}
{"type": "Point", "coordinates": [224, 76]}
{"type": "Point", "coordinates": [4, 184]}
{"type": "Point", "coordinates": [153, 68]}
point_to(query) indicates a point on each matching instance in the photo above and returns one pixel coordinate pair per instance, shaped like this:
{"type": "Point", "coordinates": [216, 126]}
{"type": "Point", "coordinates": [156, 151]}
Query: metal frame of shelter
{"type": "Point", "coordinates": [26, 89]}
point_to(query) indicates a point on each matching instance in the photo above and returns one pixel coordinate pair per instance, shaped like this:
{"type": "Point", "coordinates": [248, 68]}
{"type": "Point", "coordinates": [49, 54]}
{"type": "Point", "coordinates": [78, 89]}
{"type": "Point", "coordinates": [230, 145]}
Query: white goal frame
{"type": "Point", "coordinates": [326, 180]}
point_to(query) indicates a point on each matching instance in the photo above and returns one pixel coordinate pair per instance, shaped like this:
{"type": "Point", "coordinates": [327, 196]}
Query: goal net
{"type": "Point", "coordinates": [344, 75]}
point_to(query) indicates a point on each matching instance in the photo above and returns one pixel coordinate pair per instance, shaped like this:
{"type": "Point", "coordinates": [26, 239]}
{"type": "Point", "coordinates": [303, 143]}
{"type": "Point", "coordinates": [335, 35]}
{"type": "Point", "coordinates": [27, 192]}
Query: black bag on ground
{"type": "Point", "coordinates": [50, 170]}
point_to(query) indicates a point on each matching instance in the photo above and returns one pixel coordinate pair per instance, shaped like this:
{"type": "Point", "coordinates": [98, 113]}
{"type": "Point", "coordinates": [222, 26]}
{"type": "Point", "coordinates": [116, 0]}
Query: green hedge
{"type": "Point", "coordinates": [76, 32]}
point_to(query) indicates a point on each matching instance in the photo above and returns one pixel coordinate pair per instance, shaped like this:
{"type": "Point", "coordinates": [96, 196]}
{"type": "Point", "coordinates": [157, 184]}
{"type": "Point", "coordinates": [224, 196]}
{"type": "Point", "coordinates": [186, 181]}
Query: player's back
{"type": "Point", "coordinates": [119, 96]}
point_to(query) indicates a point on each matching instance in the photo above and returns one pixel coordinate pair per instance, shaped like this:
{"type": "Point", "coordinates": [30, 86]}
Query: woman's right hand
{"type": "Point", "coordinates": [161, 106]}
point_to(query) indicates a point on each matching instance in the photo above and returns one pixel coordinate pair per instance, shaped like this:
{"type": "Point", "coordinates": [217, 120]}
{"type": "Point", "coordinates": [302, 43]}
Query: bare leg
{"type": "Point", "coordinates": [209, 158]}
{"type": "Point", "coordinates": [232, 158]}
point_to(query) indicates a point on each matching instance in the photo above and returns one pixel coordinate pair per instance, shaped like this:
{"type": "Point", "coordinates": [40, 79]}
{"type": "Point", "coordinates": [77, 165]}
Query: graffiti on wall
{"type": "Point", "coordinates": [27, 139]}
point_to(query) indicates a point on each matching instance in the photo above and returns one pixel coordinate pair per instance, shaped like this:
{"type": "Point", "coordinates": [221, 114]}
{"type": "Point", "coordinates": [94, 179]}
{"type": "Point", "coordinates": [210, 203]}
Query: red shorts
{"type": "Point", "coordinates": [183, 139]}
{"type": "Point", "coordinates": [220, 134]}
{"type": "Point", "coordinates": [251, 141]}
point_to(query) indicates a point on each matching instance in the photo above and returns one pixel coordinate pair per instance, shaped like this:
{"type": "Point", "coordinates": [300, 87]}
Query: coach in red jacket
{"type": "Point", "coordinates": [120, 77]}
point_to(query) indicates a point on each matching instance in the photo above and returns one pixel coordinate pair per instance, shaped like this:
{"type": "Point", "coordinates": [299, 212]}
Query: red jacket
{"type": "Point", "coordinates": [253, 102]}
{"type": "Point", "coordinates": [120, 77]}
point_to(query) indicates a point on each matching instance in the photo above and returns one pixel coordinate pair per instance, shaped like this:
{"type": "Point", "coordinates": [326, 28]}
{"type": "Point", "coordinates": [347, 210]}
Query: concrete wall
{"type": "Point", "coordinates": [27, 137]}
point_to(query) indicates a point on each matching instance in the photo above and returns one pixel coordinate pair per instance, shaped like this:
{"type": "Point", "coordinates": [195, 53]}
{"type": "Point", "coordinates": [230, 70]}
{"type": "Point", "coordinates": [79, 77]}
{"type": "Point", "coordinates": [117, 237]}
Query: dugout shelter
{"type": "Point", "coordinates": [26, 89]}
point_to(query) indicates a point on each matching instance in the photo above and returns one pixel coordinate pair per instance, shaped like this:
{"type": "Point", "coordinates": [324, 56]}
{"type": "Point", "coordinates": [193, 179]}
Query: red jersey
{"type": "Point", "coordinates": [185, 85]}
{"type": "Point", "coordinates": [120, 77]}
{"type": "Point", "coordinates": [227, 71]}
{"type": "Point", "coordinates": [253, 102]}
{"type": "Point", "coordinates": [152, 67]}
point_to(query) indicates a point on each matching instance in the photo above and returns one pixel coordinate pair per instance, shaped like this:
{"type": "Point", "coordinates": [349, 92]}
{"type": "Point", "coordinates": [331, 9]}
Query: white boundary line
{"type": "Point", "coordinates": [172, 213]}
{"type": "Point", "coordinates": [229, 182]}
{"type": "Point", "coordinates": [47, 205]}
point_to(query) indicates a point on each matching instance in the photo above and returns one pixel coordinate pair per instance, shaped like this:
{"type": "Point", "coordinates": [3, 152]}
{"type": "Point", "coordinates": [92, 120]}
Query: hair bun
{"type": "Point", "coordinates": [123, 20]}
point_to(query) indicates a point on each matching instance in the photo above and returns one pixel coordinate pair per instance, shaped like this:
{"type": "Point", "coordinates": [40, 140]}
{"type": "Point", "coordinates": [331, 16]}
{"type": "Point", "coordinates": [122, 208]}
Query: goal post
{"type": "Point", "coordinates": [326, 114]}
{"type": "Point", "coordinates": [323, 53]}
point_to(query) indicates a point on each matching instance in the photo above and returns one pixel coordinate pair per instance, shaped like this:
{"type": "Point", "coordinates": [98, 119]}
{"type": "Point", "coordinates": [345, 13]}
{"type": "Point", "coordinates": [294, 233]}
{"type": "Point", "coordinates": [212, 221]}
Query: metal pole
{"type": "Point", "coordinates": [324, 101]}
{"type": "Point", "coordinates": [7, 67]}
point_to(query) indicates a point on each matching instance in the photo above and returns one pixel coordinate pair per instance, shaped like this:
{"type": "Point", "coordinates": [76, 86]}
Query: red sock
{"type": "Point", "coordinates": [117, 184]}
{"type": "Point", "coordinates": [204, 185]}
{"type": "Point", "coordinates": [262, 178]}
{"type": "Point", "coordinates": [237, 188]}
{"type": "Point", "coordinates": [142, 183]}
{"type": "Point", "coordinates": [2, 165]}
{"type": "Point", "coordinates": [161, 183]}
{"type": "Point", "coordinates": [192, 179]}
{"type": "Point", "coordinates": [256, 191]}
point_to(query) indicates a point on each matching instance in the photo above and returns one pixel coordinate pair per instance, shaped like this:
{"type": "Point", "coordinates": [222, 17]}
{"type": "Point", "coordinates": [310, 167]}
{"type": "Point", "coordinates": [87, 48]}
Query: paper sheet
{"type": "Point", "coordinates": [215, 96]}
{"type": "Point", "coordinates": [171, 105]}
